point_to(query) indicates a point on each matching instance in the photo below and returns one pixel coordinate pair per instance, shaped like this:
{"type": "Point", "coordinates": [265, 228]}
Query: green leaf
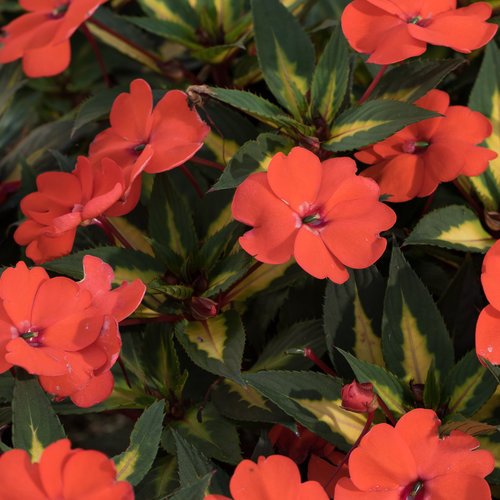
{"type": "Point", "coordinates": [227, 272]}
{"type": "Point", "coordinates": [196, 491]}
{"type": "Point", "coordinates": [352, 316]}
{"type": "Point", "coordinates": [218, 53]}
{"type": "Point", "coordinates": [297, 336]}
{"type": "Point", "coordinates": [371, 122]}
{"type": "Point", "coordinates": [468, 386]}
{"type": "Point", "coordinates": [96, 106]}
{"type": "Point", "coordinates": [285, 53]}
{"type": "Point", "coordinates": [160, 480]}
{"type": "Point", "coordinates": [246, 404]}
{"type": "Point", "coordinates": [330, 78]}
{"type": "Point", "coordinates": [35, 423]}
{"type": "Point", "coordinates": [485, 98]}
{"type": "Point", "coordinates": [215, 344]}
{"type": "Point", "coordinates": [174, 31]}
{"type": "Point", "coordinates": [127, 265]}
{"type": "Point", "coordinates": [313, 400]}
{"type": "Point", "coordinates": [413, 331]}
{"type": "Point", "coordinates": [455, 227]}
{"type": "Point", "coordinates": [259, 108]}
{"type": "Point", "coordinates": [412, 80]}
{"type": "Point", "coordinates": [253, 156]}
{"type": "Point", "coordinates": [11, 80]}
{"type": "Point", "coordinates": [432, 391]}
{"type": "Point", "coordinates": [193, 465]}
{"type": "Point", "coordinates": [133, 464]}
{"type": "Point", "coordinates": [208, 431]}
{"type": "Point", "coordinates": [385, 384]}
{"type": "Point", "coordinates": [170, 221]}
{"type": "Point", "coordinates": [176, 11]}
{"type": "Point", "coordinates": [219, 245]}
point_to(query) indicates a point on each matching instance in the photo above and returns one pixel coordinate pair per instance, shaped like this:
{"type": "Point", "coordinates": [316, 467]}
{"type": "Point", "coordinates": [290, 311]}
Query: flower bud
{"type": "Point", "coordinates": [359, 398]}
{"type": "Point", "coordinates": [203, 308]}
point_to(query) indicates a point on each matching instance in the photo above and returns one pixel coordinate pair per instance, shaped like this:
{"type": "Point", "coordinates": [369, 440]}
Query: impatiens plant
{"type": "Point", "coordinates": [250, 249]}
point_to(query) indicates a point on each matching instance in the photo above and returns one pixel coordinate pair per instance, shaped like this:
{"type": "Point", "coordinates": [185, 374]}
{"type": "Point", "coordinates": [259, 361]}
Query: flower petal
{"type": "Point", "coordinates": [488, 335]}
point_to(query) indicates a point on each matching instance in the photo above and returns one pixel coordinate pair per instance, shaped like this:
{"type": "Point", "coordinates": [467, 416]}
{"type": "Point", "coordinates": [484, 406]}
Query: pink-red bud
{"type": "Point", "coordinates": [203, 308]}
{"type": "Point", "coordinates": [359, 398]}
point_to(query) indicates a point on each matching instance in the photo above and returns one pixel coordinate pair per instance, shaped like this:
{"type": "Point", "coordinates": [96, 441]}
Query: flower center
{"type": "Point", "coordinates": [415, 20]}
{"type": "Point", "coordinates": [138, 149]}
{"type": "Point", "coordinates": [33, 337]}
{"type": "Point", "coordinates": [415, 146]}
{"type": "Point", "coordinates": [413, 491]}
{"type": "Point", "coordinates": [313, 217]}
{"type": "Point", "coordinates": [58, 12]}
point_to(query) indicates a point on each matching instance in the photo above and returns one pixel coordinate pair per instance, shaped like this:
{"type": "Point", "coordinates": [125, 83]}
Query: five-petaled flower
{"type": "Point", "coordinates": [488, 323]}
{"type": "Point", "coordinates": [41, 36]}
{"type": "Point", "coordinates": [323, 214]}
{"type": "Point", "coordinates": [173, 130]}
{"type": "Point", "coordinates": [415, 160]}
{"type": "Point", "coordinates": [61, 472]}
{"type": "Point", "coordinates": [273, 478]}
{"type": "Point", "coordinates": [410, 460]}
{"type": "Point", "coordinates": [66, 200]}
{"type": "Point", "coordinates": [65, 332]}
{"type": "Point", "coordinates": [394, 30]}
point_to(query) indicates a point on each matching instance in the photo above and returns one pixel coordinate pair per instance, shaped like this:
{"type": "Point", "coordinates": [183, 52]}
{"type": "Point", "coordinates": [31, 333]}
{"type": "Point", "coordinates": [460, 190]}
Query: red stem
{"type": "Point", "coordinates": [192, 180]}
{"type": "Point", "coordinates": [372, 85]}
{"type": "Point", "coordinates": [162, 66]}
{"type": "Point", "coordinates": [208, 163]}
{"type": "Point", "coordinates": [111, 231]}
{"type": "Point", "coordinates": [310, 354]}
{"type": "Point", "coordinates": [366, 428]}
{"type": "Point", "coordinates": [386, 410]}
{"type": "Point", "coordinates": [227, 296]}
{"type": "Point", "coordinates": [97, 52]}
{"type": "Point", "coordinates": [124, 371]}
{"type": "Point", "coordinates": [469, 198]}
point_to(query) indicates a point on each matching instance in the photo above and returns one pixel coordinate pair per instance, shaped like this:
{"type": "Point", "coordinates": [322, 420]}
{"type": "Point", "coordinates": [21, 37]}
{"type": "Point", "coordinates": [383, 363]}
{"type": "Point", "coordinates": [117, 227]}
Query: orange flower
{"type": "Point", "coordinates": [413, 162]}
{"type": "Point", "coordinates": [411, 460]}
{"type": "Point", "coordinates": [65, 332]}
{"type": "Point", "coordinates": [321, 213]}
{"type": "Point", "coordinates": [61, 473]}
{"type": "Point", "coordinates": [488, 323]}
{"type": "Point", "coordinates": [66, 200]}
{"type": "Point", "coordinates": [41, 37]}
{"type": "Point", "coordinates": [174, 131]}
{"type": "Point", "coordinates": [394, 30]}
{"type": "Point", "coordinates": [272, 478]}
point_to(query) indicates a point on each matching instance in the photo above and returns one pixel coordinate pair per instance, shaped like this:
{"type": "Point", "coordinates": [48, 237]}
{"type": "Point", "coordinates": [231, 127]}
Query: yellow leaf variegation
{"type": "Point", "coordinates": [368, 345]}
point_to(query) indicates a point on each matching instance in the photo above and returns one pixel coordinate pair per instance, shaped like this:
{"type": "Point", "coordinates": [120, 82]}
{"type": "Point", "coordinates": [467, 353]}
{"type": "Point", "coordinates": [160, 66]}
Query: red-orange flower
{"type": "Point", "coordinates": [61, 473]}
{"type": "Point", "coordinates": [321, 213]}
{"type": "Point", "coordinates": [411, 460]}
{"type": "Point", "coordinates": [394, 30]}
{"type": "Point", "coordinates": [488, 323]}
{"type": "Point", "coordinates": [273, 478]}
{"type": "Point", "coordinates": [65, 332]}
{"type": "Point", "coordinates": [66, 200]}
{"type": "Point", "coordinates": [173, 131]}
{"type": "Point", "coordinates": [413, 162]}
{"type": "Point", "coordinates": [41, 37]}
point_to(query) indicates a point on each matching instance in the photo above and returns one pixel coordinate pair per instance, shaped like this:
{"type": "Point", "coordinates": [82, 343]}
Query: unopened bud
{"type": "Point", "coordinates": [359, 398]}
{"type": "Point", "coordinates": [203, 308]}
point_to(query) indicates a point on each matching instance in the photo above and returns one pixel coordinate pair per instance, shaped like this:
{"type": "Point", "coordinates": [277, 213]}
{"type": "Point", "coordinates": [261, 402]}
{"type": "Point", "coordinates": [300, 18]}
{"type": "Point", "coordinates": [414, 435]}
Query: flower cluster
{"type": "Point", "coordinates": [415, 160]}
{"type": "Point", "coordinates": [65, 332]}
{"type": "Point", "coordinates": [391, 31]}
{"type": "Point", "coordinates": [319, 212]}
{"type": "Point", "coordinates": [61, 473]}
{"type": "Point", "coordinates": [41, 37]}
{"type": "Point", "coordinates": [108, 182]}
{"type": "Point", "coordinates": [488, 323]}
{"type": "Point", "coordinates": [410, 460]}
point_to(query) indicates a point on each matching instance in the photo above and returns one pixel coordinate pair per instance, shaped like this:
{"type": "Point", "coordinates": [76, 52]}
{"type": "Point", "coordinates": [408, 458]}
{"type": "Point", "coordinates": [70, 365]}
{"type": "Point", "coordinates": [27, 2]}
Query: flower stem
{"type": "Point", "coordinates": [95, 48]}
{"type": "Point", "coordinates": [227, 296]}
{"type": "Point", "coordinates": [208, 163]}
{"type": "Point", "coordinates": [172, 70]}
{"type": "Point", "coordinates": [386, 410]}
{"type": "Point", "coordinates": [124, 371]}
{"type": "Point", "coordinates": [372, 85]}
{"type": "Point", "coordinates": [366, 428]}
{"type": "Point", "coordinates": [111, 231]}
{"type": "Point", "coordinates": [192, 180]}
{"type": "Point", "coordinates": [310, 354]}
